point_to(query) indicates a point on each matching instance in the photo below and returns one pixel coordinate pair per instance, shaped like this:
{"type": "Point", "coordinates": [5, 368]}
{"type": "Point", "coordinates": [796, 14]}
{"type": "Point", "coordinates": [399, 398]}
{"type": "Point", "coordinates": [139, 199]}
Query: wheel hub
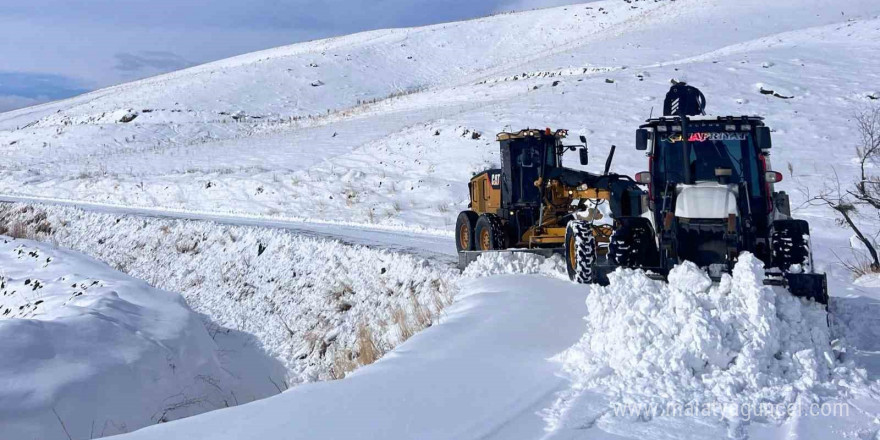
{"type": "Point", "coordinates": [464, 238]}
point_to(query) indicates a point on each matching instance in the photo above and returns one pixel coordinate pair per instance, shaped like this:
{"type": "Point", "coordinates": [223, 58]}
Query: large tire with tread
{"type": "Point", "coordinates": [790, 246]}
{"type": "Point", "coordinates": [465, 227]}
{"type": "Point", "coordinates": [580, 252]}
{"type": "Point", "coordinates": [489, 233]}
{"type": "Point", "coordinates": [633, 244]}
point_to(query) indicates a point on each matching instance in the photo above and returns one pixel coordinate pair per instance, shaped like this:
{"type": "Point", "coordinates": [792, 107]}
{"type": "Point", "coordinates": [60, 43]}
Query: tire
{"type": "Point", "coordinates": [633, 245]}
{"type": "Point", "coordinates": [464, 231]}
{"type": "Point", "coordinates": [580, 252]}
{"type": "Point", "coordinates": [489, 233]}
{"type": "Point", "coordinates": [790, 246]}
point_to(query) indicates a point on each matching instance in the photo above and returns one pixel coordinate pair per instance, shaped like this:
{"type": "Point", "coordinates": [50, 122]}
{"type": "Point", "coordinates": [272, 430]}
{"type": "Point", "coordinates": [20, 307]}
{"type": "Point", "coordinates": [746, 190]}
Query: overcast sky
{"type": "Point", "coordinates": [52, 49]}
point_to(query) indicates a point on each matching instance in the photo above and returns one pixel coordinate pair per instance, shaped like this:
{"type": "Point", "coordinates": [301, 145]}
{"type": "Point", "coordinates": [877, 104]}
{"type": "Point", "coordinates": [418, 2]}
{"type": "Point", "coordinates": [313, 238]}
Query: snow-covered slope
{"type": "Point", "coordinates": [310, 303]}
{"type": "Point", "coordinates": [251, 134]}
{"type": "Point", "coordinates": [92, 352]}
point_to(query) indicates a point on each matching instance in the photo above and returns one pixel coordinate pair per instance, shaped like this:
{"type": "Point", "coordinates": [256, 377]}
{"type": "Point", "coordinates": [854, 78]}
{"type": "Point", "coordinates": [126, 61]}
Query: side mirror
{"type": "Point", "coordinates": [644, 177]}
{"type": "Point", "coordinates": [642, 136]}
{"type": "Point", "coordinates": [763, 138]}
{"type": "Point", "coordinates": [585, 156]}
{"type": "Point", "coordinates": [772, 176]}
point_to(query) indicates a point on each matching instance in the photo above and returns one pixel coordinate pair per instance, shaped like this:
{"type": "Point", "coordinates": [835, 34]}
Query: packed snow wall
{"type": "Point", "coordinates": [731, 350]}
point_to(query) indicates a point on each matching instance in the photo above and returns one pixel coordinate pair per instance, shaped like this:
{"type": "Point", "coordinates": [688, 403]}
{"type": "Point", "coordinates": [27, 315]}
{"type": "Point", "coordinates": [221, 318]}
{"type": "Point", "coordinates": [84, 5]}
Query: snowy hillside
{"type": "Point", "coordinates": [252, 134]}
{"type": "Point", "coordinates": [225, 181]}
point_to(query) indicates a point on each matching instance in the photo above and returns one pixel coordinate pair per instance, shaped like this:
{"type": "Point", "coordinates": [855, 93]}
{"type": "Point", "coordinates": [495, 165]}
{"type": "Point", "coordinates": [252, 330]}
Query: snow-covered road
{"type": "Point", "coordinates": [436, 246]}
{"type": "Point", "coordinates": [483, 373]}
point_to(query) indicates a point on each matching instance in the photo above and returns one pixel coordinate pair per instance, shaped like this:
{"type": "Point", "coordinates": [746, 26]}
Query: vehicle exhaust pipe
{"type": "Point", "coordinates": [608, 161]}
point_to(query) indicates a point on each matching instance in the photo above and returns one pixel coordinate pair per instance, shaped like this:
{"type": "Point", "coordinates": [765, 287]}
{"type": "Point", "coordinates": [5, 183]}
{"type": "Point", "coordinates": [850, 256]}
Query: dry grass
{"type": "Point", "coordinates": [187, 246]}
{"type": "Point", "coordinates": [346, 360]}
{"type": "Point", "coordinates": [343, 363]}
{"type": "Point", "coordinates": [17, 229]}
{"type": "Point", "coordinates": [859, 265]}
{"type": "Point", "coordinates": [411, 322]}
{"type": "Point", "coordinates": [341, 290]}
{"type": "Point", "coordinates": [422, 316]}
{"type": "Point", "coordinates": [403, 327]}
{"type": "Point", "coordinates": [311, 338]}
{"type": "Point", "coordinates": [442, 296]}
{"type": "Point", "coordinates": [43, 225]}
{"type": "Point", "coordinates": [25, 222]}
{"type": "Point", "coordinates": [367, 349]}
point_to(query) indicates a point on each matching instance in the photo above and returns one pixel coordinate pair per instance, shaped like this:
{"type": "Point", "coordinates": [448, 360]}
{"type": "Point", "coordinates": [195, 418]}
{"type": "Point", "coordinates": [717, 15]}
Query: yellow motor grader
{"type": "Point", "coordinates": [527, 204]}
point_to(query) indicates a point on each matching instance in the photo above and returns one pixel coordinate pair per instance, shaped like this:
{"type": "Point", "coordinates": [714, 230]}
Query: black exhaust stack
{"type": "Point", "coordinates": [608, 161]}
{"type": "Point", "coordinates": [683, 100]}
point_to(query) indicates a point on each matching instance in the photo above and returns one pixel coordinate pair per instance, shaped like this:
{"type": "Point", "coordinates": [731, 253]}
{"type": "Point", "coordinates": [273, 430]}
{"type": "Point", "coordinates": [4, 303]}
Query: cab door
{"type": "Point", "coordinates": [480, 196]}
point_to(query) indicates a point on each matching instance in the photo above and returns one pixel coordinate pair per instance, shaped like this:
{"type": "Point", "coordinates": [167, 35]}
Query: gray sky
{"type": "Point", "coordinates": [52, 49]}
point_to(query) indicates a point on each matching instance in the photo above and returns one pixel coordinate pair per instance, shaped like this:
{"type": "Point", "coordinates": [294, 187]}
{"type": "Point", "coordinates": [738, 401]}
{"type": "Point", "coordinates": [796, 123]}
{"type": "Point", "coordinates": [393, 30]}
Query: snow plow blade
{"type": "Point", "coordinates": [804, 285]}
{"type": "Point", "coordinates": [467, 257]}
{"type": "Point", "coordinates": [602, 268]}
{"type": "Point", "coordinates": [808, 285]}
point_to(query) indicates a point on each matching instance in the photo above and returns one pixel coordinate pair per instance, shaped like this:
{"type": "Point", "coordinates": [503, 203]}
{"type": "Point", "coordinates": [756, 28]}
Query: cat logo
{"type": "Point", "coordinates": [495, 179]}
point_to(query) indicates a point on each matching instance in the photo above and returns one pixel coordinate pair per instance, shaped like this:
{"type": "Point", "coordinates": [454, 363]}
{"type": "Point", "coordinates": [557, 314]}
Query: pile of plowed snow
{"type": "Point", "coordinates": [737, 342]}
{"type": "Point", "coordinates": [505, 263]}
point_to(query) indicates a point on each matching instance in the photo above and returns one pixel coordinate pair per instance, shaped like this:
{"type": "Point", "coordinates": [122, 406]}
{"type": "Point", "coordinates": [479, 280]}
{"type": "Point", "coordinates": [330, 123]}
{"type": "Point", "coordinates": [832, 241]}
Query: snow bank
{"type": "Point", "coordinates": [91, 352]}
{"type": "Point", "coordinates": [868, 280]}
{"type": "Point", "coordinates": [322, 307]}
{"type": "Point", "coordinates": [689, 341]}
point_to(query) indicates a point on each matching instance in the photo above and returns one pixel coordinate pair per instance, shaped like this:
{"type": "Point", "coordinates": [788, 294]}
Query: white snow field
{"type": "Point", "coordinates": [370, 139]}
{"type": "Point", "coordinates": [252, 135]}
{"type": "Point", "coordinates": [94, 352]}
